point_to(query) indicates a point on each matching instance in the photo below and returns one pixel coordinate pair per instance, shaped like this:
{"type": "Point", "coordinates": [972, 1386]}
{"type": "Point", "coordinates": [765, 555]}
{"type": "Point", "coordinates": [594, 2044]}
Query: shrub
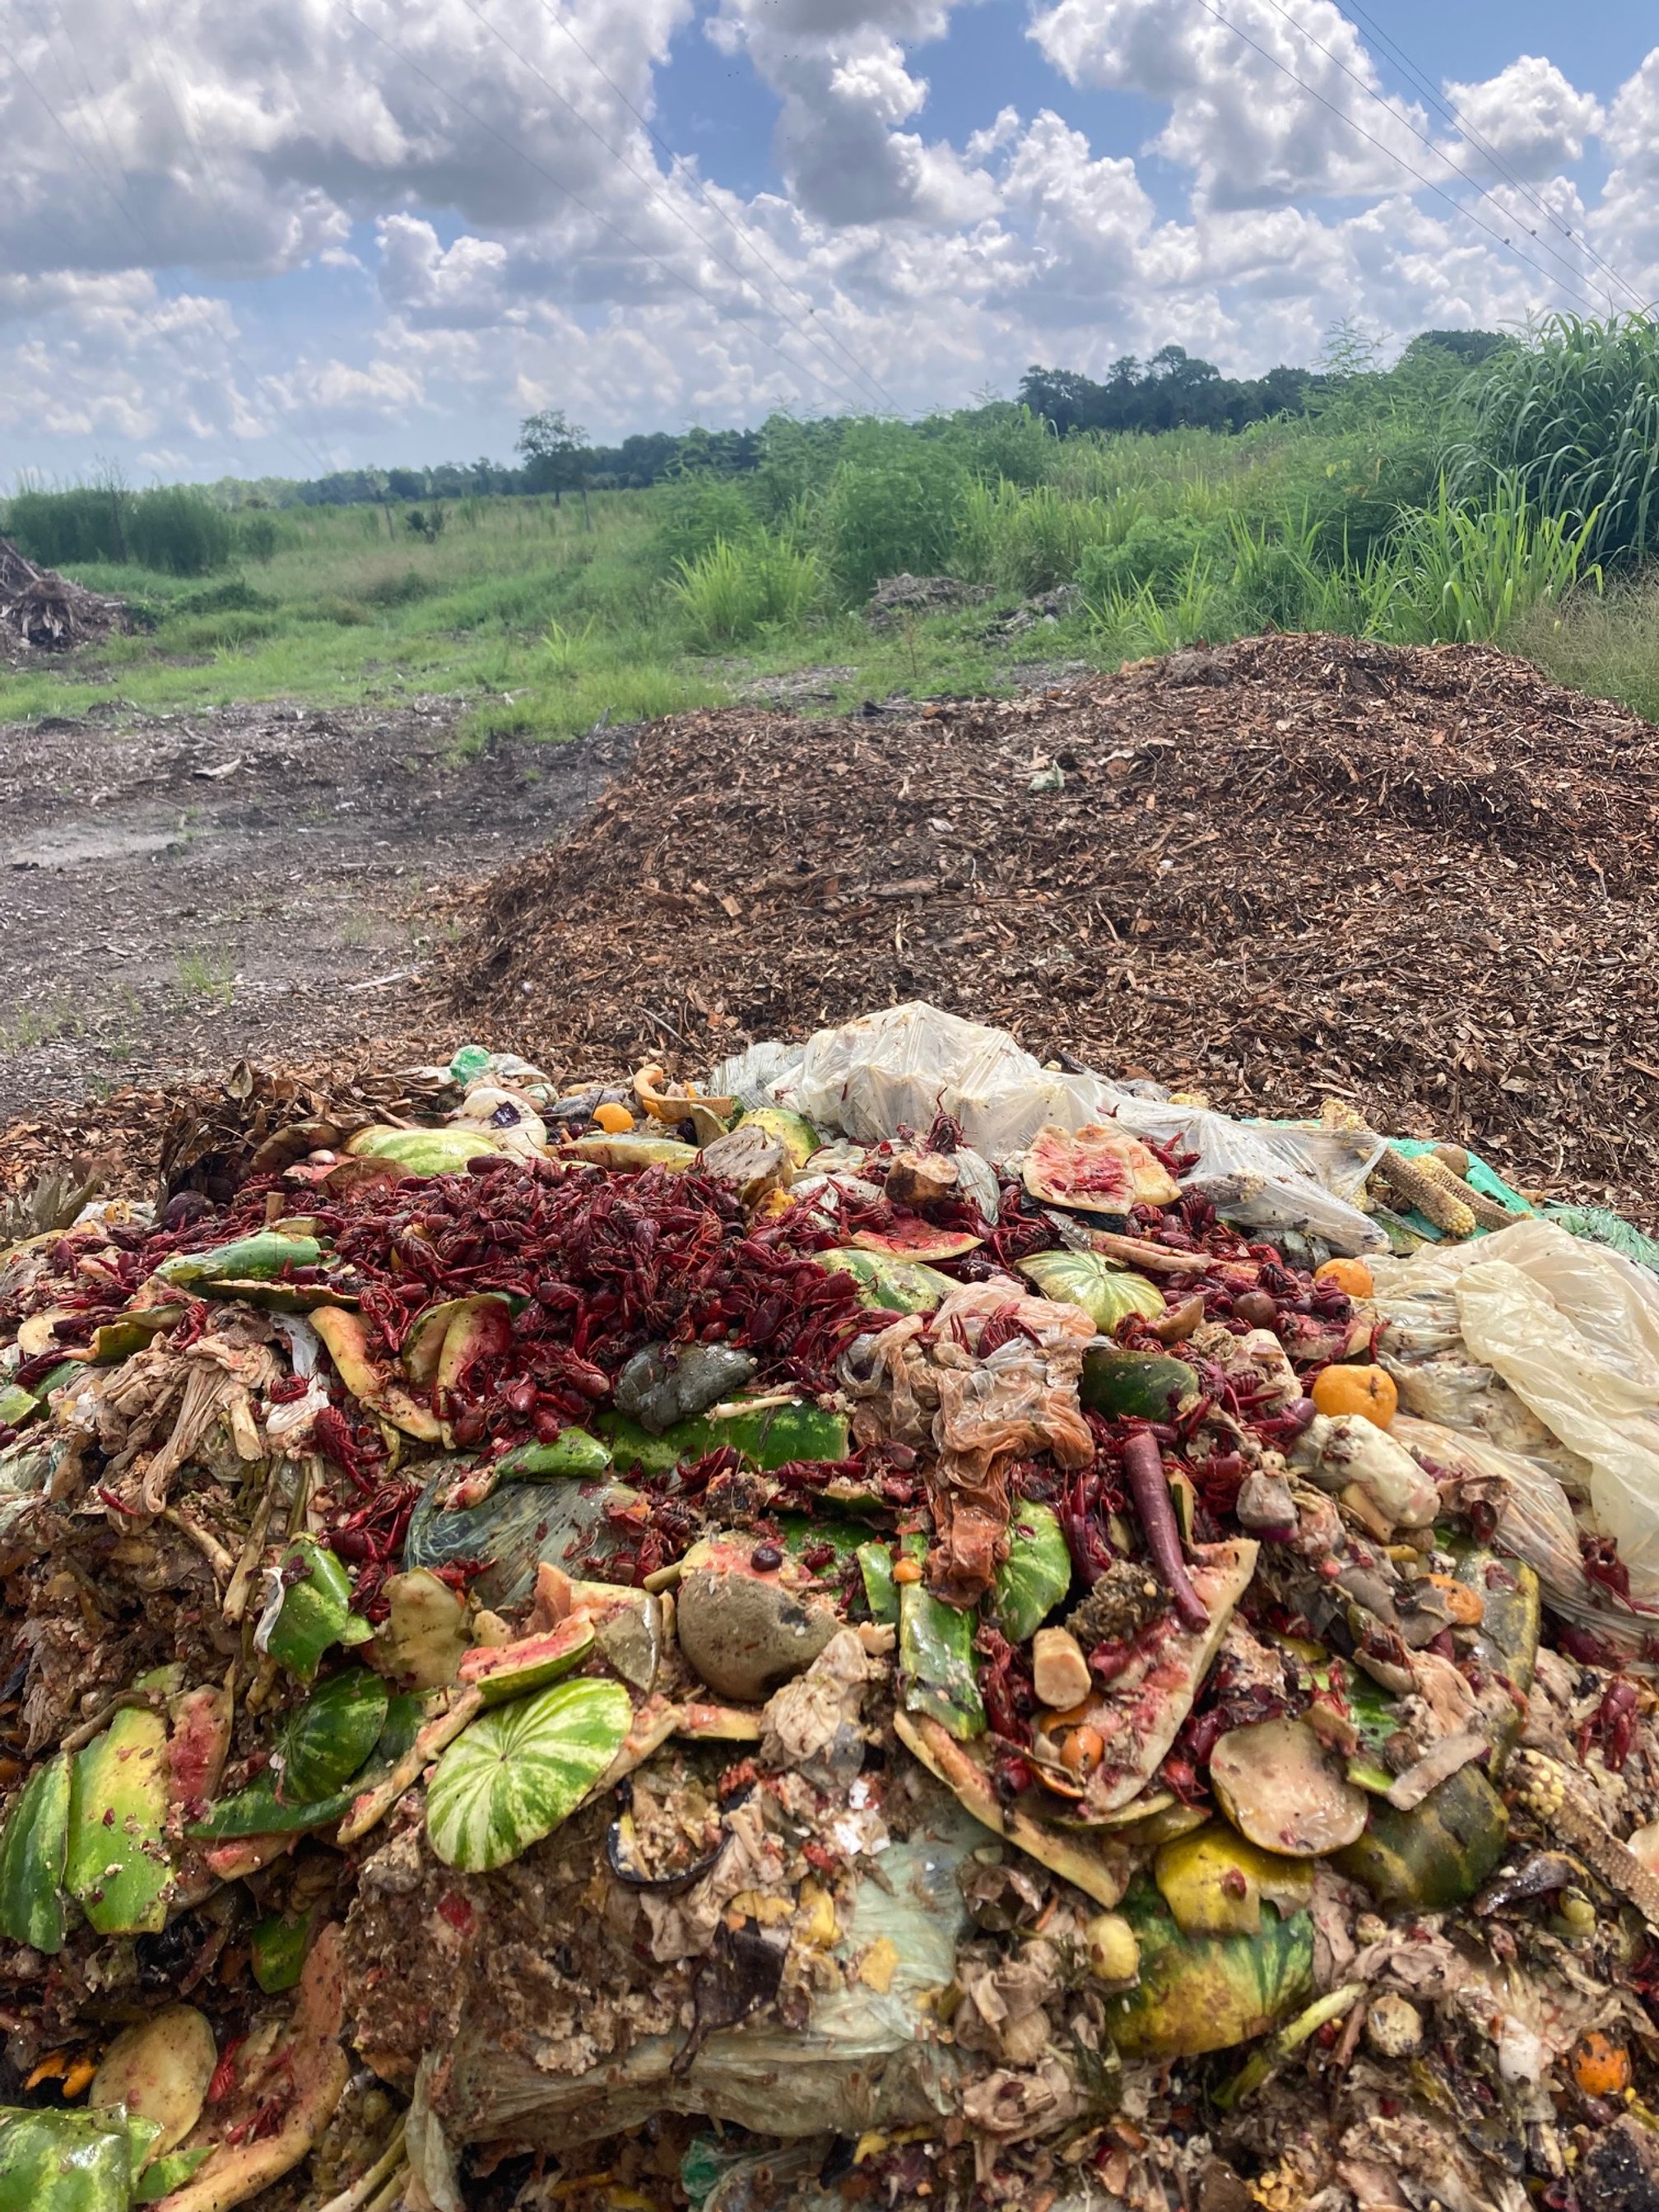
{"type": "Point", "coordinates": [883, 517]}
{"type": "Point", "coordinates": [1153, 553]}
{"type": "Point", "coordinates": [256, 536]}
{"type": "Point", "coordinates": [235, 595]}
{"type": "Point", "coordinates": [696, 513]}
{"type": "Point", "coordinates": [179, 531]}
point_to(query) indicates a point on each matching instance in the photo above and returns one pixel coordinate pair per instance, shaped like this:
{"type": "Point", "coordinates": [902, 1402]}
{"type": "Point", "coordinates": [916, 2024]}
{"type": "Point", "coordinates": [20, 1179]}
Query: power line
{"type": "Point", "coordinates": [1423, 139]}
{"type": "Point", "coordinates": [1427, 183]}
{"type": "Point", "coordinates": [1461, 122]}
{"type": "Point", "coordinates": [738, 230]}
{"type": "Point", "coordinates": [123, 206]}
{"type": "Point", "coordinates": [678, 213]}
{"type": "Point", "coordinates": [677, 276]}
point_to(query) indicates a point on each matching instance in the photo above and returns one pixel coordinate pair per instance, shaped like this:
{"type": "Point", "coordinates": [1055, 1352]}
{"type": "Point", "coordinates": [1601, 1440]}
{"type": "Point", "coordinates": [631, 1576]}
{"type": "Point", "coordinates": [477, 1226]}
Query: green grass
{"type": "Point", "coordinates": [207, 974]}
{"type": "Point", "coordinates": [541, 627]}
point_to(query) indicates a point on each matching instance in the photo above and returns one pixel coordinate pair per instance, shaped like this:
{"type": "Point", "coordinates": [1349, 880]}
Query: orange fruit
{"type": "Point", "coordinates": [1345, 1389]}
{"type": "Point", "coordinates": [1352, 1276]}
{"type": "Point", "coordinates": [613, 1118]}
{"type": "Point", "coordinates": [1600, 2067]}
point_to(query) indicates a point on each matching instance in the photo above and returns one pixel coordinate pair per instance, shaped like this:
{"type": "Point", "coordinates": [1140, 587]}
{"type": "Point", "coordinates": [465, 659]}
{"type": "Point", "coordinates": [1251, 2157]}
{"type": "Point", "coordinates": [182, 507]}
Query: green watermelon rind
{"type": "Point", "coordinates": [520, 1769]}
{"type": "Point", "coordinates": [33, 1852]}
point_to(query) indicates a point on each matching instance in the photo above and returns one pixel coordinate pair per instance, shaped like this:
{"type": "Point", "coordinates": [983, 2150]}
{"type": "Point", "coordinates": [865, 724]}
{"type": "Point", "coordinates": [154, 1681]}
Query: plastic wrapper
{"type": "Point", "coordinates": [1270, 1176]}
{"type": "Point", "coordinates": [901, 1068]}
{"type": "Point", "coordinates": [1533, 1520]}
{"type": "Point", "coordinates": [1573, 1330]}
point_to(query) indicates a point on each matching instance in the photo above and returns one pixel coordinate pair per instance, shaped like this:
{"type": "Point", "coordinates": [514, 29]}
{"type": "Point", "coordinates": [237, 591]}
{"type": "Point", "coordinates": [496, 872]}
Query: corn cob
{"type": "Point", "coordinates": [1544, 1787]}
{"type": "Point", "coordinates": [1406, 1179]}
{"type": "Point", "coordinates": [1487, 1211]}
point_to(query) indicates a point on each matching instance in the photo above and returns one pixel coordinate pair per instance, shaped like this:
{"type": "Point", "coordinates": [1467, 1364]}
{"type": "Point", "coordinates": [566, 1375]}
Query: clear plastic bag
{"type": "Point", "coordinates": [1572, 1329]}
{"type": "Point", "coordinates": [902, 1066]}
{"type": "Point", "coordinates": [1269, 1175]}
{"type": "Point", "coordinates": [1534, 1520]}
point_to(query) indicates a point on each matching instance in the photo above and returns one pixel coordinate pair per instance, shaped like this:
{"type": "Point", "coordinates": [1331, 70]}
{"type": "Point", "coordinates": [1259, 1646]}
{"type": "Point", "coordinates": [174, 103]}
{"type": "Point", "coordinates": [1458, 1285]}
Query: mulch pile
{"type": "Point", "coordinates": [41, 612]}
{"type": "Point", "coordinates": [1423, 880]}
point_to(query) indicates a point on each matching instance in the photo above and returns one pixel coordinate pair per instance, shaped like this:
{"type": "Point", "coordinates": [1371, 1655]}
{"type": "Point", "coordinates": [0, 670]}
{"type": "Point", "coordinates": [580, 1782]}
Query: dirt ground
{"type": "Point", "coordinates": [177, 891]}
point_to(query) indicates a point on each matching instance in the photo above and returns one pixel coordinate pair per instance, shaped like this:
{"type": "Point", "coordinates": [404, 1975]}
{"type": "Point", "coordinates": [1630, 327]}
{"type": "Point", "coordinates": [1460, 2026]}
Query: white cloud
{"type": "Point", "coordinates": [521, 240]}
{"type": "Point", "coordinates": [1529, 116]}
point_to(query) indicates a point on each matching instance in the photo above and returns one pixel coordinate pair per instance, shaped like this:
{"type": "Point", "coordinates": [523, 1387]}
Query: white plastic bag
{"type": "Point", "coordinates": [901, 1067]}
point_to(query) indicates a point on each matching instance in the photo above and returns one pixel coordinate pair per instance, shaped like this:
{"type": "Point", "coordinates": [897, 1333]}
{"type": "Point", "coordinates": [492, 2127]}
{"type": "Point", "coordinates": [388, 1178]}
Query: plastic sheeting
{"type": "Point", "coordinates": [900, 1068]}
{"type": "Point", "coordinates": [1572, 1329]}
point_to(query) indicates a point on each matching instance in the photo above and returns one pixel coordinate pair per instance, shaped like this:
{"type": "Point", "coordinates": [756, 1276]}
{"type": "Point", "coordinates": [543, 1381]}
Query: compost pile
{"type": "Point", "coordinates": [1421, 879]}
{"type": "Point", "coordinates": [41, 612]}
{"type": "Point", "coordinates": [902, 1624]}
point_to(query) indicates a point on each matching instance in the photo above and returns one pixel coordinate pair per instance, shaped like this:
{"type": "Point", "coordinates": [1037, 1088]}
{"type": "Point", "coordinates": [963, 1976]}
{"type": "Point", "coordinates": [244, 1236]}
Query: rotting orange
{"type": "Point", "coordinates": [1352, 1276]}
{"type": "Point", "coordinates": [1353, 1390]}
{"type": "Point", "coordinates": [1600, 2066]}
{"type": "Point", "coordinates": [613, 1117]}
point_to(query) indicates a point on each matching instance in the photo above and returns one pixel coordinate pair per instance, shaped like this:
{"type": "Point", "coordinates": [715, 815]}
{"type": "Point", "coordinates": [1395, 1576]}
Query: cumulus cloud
{"type": "Point", "coordinates": [480, 170]}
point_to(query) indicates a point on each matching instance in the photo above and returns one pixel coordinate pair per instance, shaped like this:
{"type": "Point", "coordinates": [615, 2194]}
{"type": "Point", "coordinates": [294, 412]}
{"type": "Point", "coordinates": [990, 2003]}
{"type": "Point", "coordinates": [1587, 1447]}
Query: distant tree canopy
{"type": "Point", "coordinates": [1172, 391]}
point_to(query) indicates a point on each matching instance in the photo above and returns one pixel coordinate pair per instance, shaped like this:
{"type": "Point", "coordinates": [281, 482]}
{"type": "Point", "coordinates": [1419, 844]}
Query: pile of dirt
{"type": "Point", "coordinates": [41, 612]}
{"type": "Point", "coordinates": [905, 594]}
{"type": "Point", "coordinates": [1419, 879]}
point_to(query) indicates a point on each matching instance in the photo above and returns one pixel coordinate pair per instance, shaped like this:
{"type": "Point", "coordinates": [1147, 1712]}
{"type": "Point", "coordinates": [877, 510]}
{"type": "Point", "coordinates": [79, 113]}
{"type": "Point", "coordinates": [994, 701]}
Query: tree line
{"type": "Point", "coordinates": [1173, 390]}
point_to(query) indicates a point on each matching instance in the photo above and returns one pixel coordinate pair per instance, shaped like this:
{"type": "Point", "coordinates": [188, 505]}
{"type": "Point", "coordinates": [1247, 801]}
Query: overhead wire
{"type": "Point", "coordinates": [1427, 183]}
{"type": "Point", "coordinates": [1423, 139]}
{"type": "Point", "coordinates": [608, 222]}
{"type": "Point", "coordinates": [680, 216]}
{"type": "Point", "coordinates": [738, 230]}
{"type": "Point", "coordinates": [1456, 116]}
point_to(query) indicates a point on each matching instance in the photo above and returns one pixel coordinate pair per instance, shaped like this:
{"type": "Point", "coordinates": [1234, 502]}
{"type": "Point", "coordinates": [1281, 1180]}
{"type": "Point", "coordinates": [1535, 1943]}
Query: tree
{"type": "Point", "coordinates": [556, 456]}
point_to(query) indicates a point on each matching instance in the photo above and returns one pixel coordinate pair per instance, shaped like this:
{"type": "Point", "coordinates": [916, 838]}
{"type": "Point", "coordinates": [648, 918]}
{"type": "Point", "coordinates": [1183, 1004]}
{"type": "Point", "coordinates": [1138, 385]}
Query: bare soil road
{"type": "Point", "coordinates": [269, 880]}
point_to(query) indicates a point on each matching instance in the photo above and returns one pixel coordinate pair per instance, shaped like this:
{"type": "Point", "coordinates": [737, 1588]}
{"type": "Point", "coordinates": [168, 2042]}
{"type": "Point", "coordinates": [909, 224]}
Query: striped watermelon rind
{"type": "Point", "coordinates": [521, 1769]}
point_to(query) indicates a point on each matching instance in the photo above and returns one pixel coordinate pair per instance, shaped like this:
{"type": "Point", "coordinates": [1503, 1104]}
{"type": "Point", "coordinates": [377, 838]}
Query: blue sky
{"type": "Point", "coordinates": [326, 233]}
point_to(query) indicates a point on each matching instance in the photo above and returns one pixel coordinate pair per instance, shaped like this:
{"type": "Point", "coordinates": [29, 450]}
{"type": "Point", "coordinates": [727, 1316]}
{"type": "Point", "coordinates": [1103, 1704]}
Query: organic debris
{"type": "Point", "coordinates": [1420, 880]}
{"type": "Point", "coordinates": [907, 1628]}
{"type": "Point", "coordinates": [41, 612]}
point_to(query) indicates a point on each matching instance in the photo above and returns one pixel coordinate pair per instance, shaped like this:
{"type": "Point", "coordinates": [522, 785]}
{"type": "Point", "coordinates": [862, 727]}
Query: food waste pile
{"type": "Point", "coordinates": [892, 1623]}
{"type": "Point", "coordinates": [1423, 879]}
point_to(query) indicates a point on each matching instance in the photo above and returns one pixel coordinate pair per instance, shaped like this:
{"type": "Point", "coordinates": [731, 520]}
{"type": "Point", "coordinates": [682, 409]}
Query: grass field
{"type": "Point", "coordinates": [1406, 505]}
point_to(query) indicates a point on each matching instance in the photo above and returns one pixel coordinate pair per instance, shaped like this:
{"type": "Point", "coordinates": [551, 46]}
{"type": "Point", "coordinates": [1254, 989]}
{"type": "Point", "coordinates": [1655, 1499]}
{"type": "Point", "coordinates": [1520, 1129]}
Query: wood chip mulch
{"type": "Point", "coordinates": [1422, 880]}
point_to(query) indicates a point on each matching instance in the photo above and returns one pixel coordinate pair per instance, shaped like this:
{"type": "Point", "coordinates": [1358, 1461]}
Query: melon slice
{"type": "Point", "coordinates": [1097, 1169]}
{"type": "Point", "coordinates": [910, 1237]}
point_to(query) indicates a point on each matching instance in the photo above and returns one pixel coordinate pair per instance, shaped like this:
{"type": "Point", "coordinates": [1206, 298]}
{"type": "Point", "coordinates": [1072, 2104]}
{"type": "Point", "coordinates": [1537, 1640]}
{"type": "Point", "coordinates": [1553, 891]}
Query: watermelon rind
{"type": "Point", "coordinates": [522, 1768]}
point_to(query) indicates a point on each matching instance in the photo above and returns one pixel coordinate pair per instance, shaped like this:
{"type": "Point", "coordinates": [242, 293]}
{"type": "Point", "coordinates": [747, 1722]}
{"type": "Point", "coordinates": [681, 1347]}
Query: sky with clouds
{"type": "Point", "coordinates": [278, 236]}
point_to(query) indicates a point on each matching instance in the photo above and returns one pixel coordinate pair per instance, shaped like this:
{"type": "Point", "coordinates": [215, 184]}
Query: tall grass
{"type": "Point", "coordinates": [1573, 416]}
{"type": "Point", "coordinates": [730, 592]}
